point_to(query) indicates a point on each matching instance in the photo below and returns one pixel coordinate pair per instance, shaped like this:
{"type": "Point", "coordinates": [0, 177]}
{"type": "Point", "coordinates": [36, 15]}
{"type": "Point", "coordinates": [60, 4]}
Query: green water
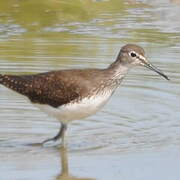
{"type": "Point", "coordinates": [137, 134]}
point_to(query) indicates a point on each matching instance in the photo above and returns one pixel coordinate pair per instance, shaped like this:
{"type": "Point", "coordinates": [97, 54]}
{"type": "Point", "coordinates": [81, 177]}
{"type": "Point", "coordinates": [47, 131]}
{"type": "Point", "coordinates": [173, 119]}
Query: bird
{"type": "Point", "coordinates": [74, 94]}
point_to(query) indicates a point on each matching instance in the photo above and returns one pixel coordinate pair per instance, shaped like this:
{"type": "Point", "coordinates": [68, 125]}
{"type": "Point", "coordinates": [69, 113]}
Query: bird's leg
{"type": "Point", "coordinates": [59, 135]}
{"type": "Point", "coordinates": [63, 134]}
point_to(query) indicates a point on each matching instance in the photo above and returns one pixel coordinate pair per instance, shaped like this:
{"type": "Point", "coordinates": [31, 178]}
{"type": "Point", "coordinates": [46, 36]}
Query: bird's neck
{"type": "Point", "coordinates": [118, 70]}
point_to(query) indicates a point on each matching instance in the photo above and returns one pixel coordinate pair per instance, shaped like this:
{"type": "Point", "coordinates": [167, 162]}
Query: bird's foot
{"type": "Point", "coordinates": [58, 140]}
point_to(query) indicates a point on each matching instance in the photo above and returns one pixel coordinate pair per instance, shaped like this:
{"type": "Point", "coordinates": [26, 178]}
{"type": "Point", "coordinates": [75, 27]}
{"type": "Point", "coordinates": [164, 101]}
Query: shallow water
{"type": "Point", "coordinates": [137, 134]}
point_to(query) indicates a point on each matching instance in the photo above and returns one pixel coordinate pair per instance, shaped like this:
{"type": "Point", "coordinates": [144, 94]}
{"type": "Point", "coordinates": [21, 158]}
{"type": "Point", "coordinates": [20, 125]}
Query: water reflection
{"type": "Point", "coordinates": [35, 162]}
{"type": "Point", "coordinates": [65, 175]}
{"type": "Point", "coordinates": [34, 15]}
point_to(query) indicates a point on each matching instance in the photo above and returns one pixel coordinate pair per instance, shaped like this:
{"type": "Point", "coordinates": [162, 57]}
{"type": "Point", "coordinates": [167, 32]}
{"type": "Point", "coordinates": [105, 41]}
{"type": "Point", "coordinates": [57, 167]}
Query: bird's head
{"type": "Point", "coordinates": [133, 55]}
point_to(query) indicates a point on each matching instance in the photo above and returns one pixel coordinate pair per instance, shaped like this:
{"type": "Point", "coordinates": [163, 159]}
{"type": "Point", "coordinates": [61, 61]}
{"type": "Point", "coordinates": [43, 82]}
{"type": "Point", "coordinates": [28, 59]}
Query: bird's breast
{"type": "Point", "coordinates": [78, 109]}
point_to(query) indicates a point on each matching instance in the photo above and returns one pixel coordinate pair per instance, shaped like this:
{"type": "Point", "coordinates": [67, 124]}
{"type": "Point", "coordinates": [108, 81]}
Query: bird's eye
{"type": "Point", "coordinates": [133, 54]}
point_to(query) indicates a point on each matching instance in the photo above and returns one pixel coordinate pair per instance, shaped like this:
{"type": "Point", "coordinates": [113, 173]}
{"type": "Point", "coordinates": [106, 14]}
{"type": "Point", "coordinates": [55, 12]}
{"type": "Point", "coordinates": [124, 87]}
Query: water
{"type": "Point", "coordinates": [137, 134]}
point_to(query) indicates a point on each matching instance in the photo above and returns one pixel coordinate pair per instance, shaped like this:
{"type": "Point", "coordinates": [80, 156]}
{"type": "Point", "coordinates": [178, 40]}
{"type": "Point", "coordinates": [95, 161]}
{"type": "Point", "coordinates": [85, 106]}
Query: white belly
{"type": "Point", "coordinates": [75, 111]}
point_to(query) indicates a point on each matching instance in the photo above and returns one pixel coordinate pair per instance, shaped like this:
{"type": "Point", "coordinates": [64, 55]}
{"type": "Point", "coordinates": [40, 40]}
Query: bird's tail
{"type": "Point", "coordinates": [16, 83]}
{"type": "Point", "coordinates": [8, 81]}
{"type": "Point", "coordinates": [1, 78]}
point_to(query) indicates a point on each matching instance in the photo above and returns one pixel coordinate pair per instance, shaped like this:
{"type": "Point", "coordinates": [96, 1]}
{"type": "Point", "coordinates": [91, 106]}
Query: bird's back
{"type": "Point", "coordinates": [56, 87]}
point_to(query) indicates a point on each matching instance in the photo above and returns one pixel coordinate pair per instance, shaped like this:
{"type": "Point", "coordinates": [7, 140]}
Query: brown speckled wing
{"type": "Point", "coordinates": [54, 88]}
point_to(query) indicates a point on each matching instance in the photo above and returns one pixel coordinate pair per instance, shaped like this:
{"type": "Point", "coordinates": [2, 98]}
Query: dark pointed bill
{"type": "Point", "coordinates": [153, 68]}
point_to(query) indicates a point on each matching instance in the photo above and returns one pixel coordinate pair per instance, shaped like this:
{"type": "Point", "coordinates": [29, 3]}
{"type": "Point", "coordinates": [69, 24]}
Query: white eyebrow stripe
{"type": "Point", "coordinates": [138, 56]}
{"type": "Point", "coordinates": [141, 57]}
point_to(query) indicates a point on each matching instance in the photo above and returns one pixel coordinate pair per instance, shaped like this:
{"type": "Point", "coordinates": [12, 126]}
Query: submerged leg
{"type": "Point", "coordinates": [59, 135]}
